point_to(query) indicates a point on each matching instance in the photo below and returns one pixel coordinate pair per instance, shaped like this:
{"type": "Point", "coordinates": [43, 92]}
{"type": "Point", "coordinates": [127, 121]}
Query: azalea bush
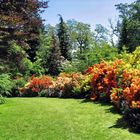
{"type": "Point", "coordinates": [103, 79]}
{"type": "Point", "coordinates": [65, 85]}
{"type": "Point", "coordinates": [128, 90]}
{"type": "Point", "coordinates": [68, 85]}
{"type": "Point", "coordinates": [36, 85]}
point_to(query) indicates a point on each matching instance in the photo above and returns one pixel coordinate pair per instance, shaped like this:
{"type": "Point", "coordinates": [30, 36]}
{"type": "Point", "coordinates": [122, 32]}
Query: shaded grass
{"type": "Point", "coordinates": [60, 119]}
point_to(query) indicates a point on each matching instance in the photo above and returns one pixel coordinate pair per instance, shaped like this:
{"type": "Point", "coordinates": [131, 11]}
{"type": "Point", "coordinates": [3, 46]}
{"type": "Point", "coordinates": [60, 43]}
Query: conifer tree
{"type": "Point", "coordinates": [55, 58]}
{"type": "Point", "coordinates": [123, 38]}
{"type": "Point", "coordinates": [64, 39]}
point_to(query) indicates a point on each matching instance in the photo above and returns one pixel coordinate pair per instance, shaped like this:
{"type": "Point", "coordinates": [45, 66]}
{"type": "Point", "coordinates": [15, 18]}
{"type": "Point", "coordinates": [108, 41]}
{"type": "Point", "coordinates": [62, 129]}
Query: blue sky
{"type": "Point", "coordinates": [87, 11]}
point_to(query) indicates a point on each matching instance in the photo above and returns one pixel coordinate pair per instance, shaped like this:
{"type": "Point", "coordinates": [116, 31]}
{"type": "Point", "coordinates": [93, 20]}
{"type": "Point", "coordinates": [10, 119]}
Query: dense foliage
{"type": "Point", "coordinates": [129, 27]}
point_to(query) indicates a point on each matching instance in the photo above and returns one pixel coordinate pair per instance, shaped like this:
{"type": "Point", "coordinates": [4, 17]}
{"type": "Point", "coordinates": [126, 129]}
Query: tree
{"type": "Point", "coordinates": [64, 39]}
{"type": "Point", "coordinates": [45, 46]}
{"type": "Point", "coordinates": [20, 21]}
{"type": "Point", "coordinates": [80, 35]}
{"type": "Point", "coordinates": [129, 34]}
{"type": "Point", "coordinates": [101, 33]}
{"type": "Point", "coordinates": [113, 33]}
{"type": "Point", "coordinates": [123, 39]}
{"type": "Point", "coordinates": [55, 58]}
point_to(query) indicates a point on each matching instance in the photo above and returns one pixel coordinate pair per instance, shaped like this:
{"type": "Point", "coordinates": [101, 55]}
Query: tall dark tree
{"type": "Point", "coordinates": [55, 59]}
{"type": "Point", "coordinates": [123, 38]}
{"type": "Point", "coordinates": [64, 39]}
{"type": "Point", "coordinates": [129, 34]}
{"type": "Point", "coordinates": [19, 21]}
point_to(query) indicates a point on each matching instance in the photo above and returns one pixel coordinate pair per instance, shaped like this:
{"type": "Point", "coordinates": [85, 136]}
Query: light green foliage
{"type": "Point", "coordinates": [132, 59]}
{"type": "Point", "coordinates": [16, 61]}
{"type": "Point", "coordinates": [80, 35]}
{"type": "Point", "coordinates": [93, 55]}
{"type": "Point", "coordinates": [2, 99]}
{"type": "Point", "coordinates": [37, 68]}
{"type": "Point", "coordinates": [101, 34]}
{"type": "Point", "coordinates": [6, 85]}
{"type": "Point", "coordinates": [26, 65]}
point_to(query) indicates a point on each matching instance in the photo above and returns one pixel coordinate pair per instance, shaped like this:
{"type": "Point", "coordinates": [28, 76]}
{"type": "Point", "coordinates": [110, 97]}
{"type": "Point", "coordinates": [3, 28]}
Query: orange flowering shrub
{"type": "Point", "coordinates": [123, 81]}
{"type": "Point", "coordinates": [111, 82]}
{"type": "Point", "coordinates": [132, 93]}
{"type": "Point", "coordinates": [104, 79]}
{"type": "Point", "coordinates": [36, 85]}
{"type": "Point", "coordinates": [128, 89]}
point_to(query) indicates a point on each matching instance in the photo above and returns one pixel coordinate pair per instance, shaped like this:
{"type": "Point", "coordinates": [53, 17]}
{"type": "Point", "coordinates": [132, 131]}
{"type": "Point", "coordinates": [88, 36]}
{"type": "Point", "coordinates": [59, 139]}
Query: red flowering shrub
{"type": "Point", "coordinates": [36, 85]}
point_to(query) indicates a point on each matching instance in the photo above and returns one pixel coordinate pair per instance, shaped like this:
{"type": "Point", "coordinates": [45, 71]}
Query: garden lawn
{"type": "Point", "coordinates": [60, 119]}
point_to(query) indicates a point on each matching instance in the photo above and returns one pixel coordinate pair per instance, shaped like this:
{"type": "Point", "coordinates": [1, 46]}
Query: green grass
{"type": "Point", "coordinates": [59, 119]}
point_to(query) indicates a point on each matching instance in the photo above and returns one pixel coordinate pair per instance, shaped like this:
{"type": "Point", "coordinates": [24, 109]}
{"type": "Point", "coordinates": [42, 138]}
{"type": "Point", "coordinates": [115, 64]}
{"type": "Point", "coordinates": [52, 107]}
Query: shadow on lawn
{"type": "Point", "coordinates": [120, 123]}
{"type": "Point", "coordinates": [100, 102]}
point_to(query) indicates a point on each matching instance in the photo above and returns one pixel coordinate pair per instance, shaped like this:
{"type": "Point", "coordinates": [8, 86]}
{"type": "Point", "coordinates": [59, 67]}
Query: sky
{"type": "Point", "coordinates": [87, 11]}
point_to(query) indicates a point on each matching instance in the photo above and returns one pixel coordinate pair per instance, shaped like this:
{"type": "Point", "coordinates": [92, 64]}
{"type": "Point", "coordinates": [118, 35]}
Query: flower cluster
{"type": "Point", "coordinates": [104, 78]}
{"type": "Point", "coordinates": [65, 85]}
{"type": "Point", "coordinates": [68, 85]}
{"type": "Point", "coordinates": [36, 85]}
{"type": "Point", "coordinates": [111, 82]}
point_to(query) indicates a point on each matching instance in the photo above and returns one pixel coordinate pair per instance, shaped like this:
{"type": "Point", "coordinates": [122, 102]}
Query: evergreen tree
{"type": "Point", "coordinates": [129, 33]}
{"type": "Point", "coordinates": [64, 39]}
{"type": "Point", "coordinates": [123, 38]}
{"type": "Point", "coordinates": [55, 58]}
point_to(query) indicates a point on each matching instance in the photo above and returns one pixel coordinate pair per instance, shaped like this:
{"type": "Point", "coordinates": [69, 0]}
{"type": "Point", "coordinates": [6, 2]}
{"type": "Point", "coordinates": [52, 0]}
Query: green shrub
{"type": "Point", "coordinates": [6, 85]}
{"type": "Point", "coordinates": [18, 83]}
{"type": "Point", "coordinates": [2, 99]}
